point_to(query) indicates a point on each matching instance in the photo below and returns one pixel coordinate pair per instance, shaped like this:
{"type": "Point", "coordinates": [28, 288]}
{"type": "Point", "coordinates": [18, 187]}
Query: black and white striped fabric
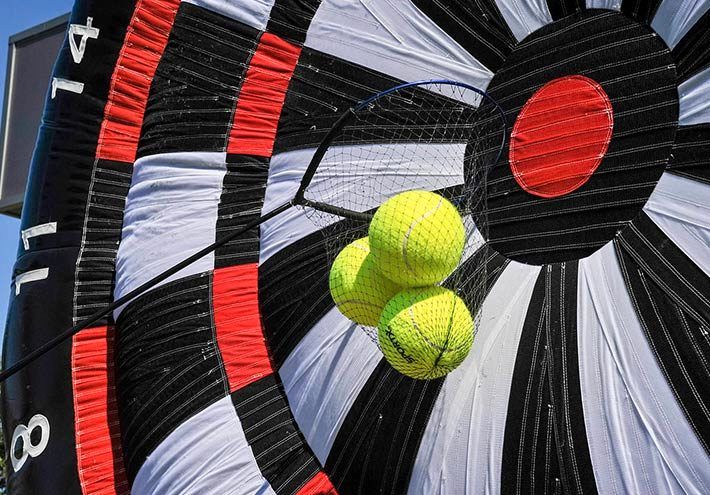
{"type": "Point", "coordinates": [590, 368]}
{"type": "Point", "coordinates": [573, 385]}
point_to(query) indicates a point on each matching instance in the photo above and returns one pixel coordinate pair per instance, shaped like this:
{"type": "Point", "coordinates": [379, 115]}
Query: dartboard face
{"type": "Point", "coordinates": [172, 125]}
{"type": "Point", "coordinates": [593, 102]}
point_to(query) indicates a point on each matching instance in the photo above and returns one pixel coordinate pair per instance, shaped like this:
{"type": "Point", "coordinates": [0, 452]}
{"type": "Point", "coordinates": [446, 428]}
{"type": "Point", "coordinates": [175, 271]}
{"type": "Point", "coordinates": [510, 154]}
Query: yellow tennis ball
{"type": "Point", "coordinates": [358, 289]}
{"type": "Point", "coordinates": [417, 238]}
{"type": "Point", "coordinates": [425, 332]}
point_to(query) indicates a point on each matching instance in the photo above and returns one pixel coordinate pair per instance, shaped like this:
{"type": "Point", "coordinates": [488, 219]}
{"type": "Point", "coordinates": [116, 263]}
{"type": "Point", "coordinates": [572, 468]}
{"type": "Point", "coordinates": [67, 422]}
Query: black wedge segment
{"type": "Point", "coordinates": [640, 10]}
{"type": "Point", "coordinates": [102, 232]}
{"type": "Point", "coordinates": [324, 87]}
{"type": "Point", "coordinates": [240, 203]}
{"type": "Point", "coordinates": [545, 412]}
{"type": "Point", "coordinates": [290, 19]}
{"type": "Point", "coordinates": [563, 8]}
{"type": "Point", "coordinates": [281, 452]}
{"type": "Point", "coordinates": [378, 442]}
{"type": "Point", "coordinates": [477, 26]}
{"type": "Point", "coordinates": [196, 85]}
{"type": "Point", "coordinates": [169, 366]}
{"type": "Point", "coordinates": [691, 153]}
{"type": "Point", "coordinates": [692, 53]}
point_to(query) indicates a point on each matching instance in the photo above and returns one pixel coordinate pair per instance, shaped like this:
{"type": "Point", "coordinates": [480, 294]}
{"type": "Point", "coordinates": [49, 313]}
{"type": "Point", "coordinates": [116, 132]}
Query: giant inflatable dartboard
{"type": "Point", "coordinates": [170, 124]}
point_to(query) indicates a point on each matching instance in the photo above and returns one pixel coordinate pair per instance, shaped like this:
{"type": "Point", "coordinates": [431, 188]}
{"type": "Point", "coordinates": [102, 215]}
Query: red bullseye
{"type": "Point", "coordinates": [560, 136]}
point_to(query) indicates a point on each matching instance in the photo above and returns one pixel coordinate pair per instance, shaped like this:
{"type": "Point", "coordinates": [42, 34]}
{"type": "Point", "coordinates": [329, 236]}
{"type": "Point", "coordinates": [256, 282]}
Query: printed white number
{"type": "Point", "coordinates": [37, 230]}
{"type": "Point", "coordinates": [29, 449]}
{"type": "Point", "coordinates": [30, 276]}
{"type": "Point", "coordinates": [66, 85]}
{"type": "Point", "coordinates": [86, 32]}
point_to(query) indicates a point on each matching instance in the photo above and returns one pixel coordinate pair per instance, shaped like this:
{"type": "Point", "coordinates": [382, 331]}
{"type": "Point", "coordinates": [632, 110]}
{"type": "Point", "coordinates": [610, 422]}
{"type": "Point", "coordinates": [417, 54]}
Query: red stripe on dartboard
{"type": "Point", "coordinates": [98, 445]}
{"type": "Point", "coordinates": [320, 484]}
{"type": "Point", "coordinates": [98, 448]}
{"type": "Point", "coordinates": [235, 302]}
{"type": "Point", "coordinates": [235, 289]}
{"type": "Point", "coordinates": [142, 49]}
{"type": "Point", "coordinates": [262, 97]}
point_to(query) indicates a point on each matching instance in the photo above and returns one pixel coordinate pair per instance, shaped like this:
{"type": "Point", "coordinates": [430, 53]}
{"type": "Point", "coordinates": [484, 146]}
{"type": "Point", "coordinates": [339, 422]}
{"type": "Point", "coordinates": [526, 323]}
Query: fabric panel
{"type": "Point", "coordinates": [170, 213]}
{"type": "Point", "coordinates": [323, 376]}
{"type": "Point", "coordinates": [323, 87]}
{"type": "Point", "coordinates": [674, 18]}
{"type": "Point", "coordinates": [144, 45]}
{"type": "Point", "coordinates": [98, 443]}
{"type": "Point", "coordinates": [524, 16]}
{"type": "Point", "coordinates": [670, 295]}
{"type": "Point", "coordinates": [691, 53]}
{"type": "Point", "coordinates": [379, 439]}
{"type": "Point", "coordinates": [545, 447]}
{"type": "Point", "coordinates": [235, 308]}
{"type": "Point", "coordinates": [261, 98]}
{"type": "Point", "coordinates": [694, 104]}
{"type": "Point", "coordinates": [95, 266]}
{"type": "Point", "coordinates": [680, 207]}
{"type": "Point", "coordinates": [640, 440]}
{"type": "Point", "coordinates": [461, 449]}
{"type": "Point", "coordinates": [281, 452]}
{"type": "Point", "coordinates": [393, 38]}
{"type": "Point", "coordinates": [208, 453]}
{"type": "Point", "coordinates": [241, 202]}
{"type": "Point", "coordinates": [560, 136]}
{"type": "Point", "coordinates": [254, 13]}
{"type": "Point", "coordinates": [191, 101]}
{"type": "Point", "coordinates": [691, 153]}
{"type": "Point", "coordinates": [168, 365]}
{"type": "Point", "coordinates": [285, 172]}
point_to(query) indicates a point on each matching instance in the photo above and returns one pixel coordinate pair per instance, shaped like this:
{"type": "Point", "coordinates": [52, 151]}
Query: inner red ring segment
{"type": "Point", "coordinates": [560, 136]}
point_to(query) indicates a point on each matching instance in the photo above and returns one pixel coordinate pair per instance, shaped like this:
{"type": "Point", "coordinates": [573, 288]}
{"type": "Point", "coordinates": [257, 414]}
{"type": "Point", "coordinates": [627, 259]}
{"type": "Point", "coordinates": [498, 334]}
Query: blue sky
{"type": "Point", "coordinates": [15, 16]}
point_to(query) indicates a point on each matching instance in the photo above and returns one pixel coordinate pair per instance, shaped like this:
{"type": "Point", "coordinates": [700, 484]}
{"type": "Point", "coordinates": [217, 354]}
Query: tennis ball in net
{"type": "Point", "coordinates": [358, 289]}
{"type": "Point", "coordinates": [417, 238]}
{"type": "Point", "coordinates": [425, 332]}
